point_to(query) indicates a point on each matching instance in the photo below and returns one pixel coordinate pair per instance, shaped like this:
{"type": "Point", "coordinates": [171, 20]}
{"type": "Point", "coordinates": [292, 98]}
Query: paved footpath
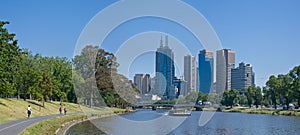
{"type": "Point", "coordinates": [16, 127]}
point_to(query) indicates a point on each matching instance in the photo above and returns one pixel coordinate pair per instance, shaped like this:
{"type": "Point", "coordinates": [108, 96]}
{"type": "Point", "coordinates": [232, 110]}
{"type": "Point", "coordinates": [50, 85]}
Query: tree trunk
{"type": "Point", "coordinates": [299, 101]}
{"type": "Point", "coordinates": [43, 102]}
{"type": "Point", "coordinates": [287, 103]}
{"type": "Point", "coordinates": [24, 97]}
{"type": "Point", "coordinates": [91, 100]}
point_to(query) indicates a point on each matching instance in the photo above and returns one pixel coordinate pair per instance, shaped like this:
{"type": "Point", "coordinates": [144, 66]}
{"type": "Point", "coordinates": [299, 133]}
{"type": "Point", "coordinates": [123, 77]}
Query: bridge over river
{"type": "Point", "coordinates": [170, 105]}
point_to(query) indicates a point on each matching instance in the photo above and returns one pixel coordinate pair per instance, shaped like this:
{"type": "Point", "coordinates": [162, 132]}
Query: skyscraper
{"type": "Point", "coordinates": [242, 77]}
{"type": "Point", "coordinates": [206, 71]}
{"type": "Point", "coordinates": [165, 71]}
{"type": "Point", "coordinates": [190, 73]}
{"type": "Point", "coordinates": [225, 62]}
{"type": "Point", "coordinates": [180, 87]}
{"type": "Point", "coordinates": [142, 82]}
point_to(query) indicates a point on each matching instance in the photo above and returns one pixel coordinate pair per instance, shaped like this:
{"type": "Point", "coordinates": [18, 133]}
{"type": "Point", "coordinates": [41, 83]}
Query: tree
{"type": "Point", "coordinates": [45, 83]}
{"type": "Point", "coordinates": [230, 97]}
{"type": "Point", "coordinates": [257, 96]}
{"type": "Point", "coordinates": [272, 89]}
{"type": "Point", "coordinates": [28, 73]}
{"type": "Point", "coordinates": [250, 93]}
{"type": "Point", "coordinates": [284, 88]}
{"type": "Point", "coordinates": [9, 53]}
{"type": "Point", "coordinates": [294, 74]}
{"type": "Point", "coordinates": [115, 89]}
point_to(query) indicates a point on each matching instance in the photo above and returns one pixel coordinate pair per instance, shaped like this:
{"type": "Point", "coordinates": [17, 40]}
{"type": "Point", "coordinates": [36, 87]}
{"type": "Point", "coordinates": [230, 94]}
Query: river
{"type": "Point", "coordinates": [150, 122]}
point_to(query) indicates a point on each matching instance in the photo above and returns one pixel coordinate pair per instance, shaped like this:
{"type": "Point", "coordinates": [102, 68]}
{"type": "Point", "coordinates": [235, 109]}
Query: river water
{"type": "Point", "coordinates": [148, 122]}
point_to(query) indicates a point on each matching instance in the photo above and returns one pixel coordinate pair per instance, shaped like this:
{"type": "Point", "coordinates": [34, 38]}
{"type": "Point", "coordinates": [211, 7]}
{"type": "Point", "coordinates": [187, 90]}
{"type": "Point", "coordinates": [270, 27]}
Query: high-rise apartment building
{"type": "Point", "coordinates": [165, 71]}
{"type": "Point", "coordinates": [206, 71]}
{"type": "Point", "coordinates": [242, 77]}
{"type": "Point", "coordinates": [143, 82]}
{"type": "Point", "coordinates": [225, 62]}
{"type": "Point", "coordinates": [190, 73]}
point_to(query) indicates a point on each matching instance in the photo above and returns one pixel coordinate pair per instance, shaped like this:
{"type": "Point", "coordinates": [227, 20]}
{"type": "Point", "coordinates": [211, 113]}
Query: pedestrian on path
{"type": "Point", "coordinates": [28, 111]}
{"type": "Point", "coordinates": [65, 110]}
{"type": "Point", "coordinates": [60, 110]}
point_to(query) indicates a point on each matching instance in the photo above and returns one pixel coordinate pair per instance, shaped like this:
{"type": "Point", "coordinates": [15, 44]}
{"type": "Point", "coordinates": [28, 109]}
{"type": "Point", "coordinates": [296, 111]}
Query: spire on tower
{"type": "Point", "coordinates": [161, 42]}
{"type": "Point", "coordinates": [166, 40]}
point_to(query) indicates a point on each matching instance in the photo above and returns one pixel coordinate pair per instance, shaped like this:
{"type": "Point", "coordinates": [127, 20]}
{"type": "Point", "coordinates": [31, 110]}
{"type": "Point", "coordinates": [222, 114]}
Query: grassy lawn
{"type": "Point", "coordinates": [49, 127]}
{"type": "Point", "coordinates": [263, 111]}
{"type": "Point", "coordinates": [13, 109]}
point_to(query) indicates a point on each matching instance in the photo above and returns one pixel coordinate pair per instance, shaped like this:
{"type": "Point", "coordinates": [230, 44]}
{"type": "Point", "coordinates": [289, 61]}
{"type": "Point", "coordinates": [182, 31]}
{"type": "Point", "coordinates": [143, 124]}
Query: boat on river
{"type": "Point", "coordinates": [180, 111]}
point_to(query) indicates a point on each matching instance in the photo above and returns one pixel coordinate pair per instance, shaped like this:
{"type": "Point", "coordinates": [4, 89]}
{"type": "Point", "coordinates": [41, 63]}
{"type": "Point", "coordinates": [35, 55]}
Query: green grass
{"type": "Point", "coordinates": [13, 109]}
{"type": "Point", "coordinates": [49, 127]}
{"type": "Point", "coordinates": [264, 111]}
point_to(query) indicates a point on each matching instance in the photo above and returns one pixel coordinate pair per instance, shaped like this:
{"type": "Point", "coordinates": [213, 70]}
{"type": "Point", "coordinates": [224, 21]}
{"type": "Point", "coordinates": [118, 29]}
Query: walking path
{"type": "Point", "coordinates": [16, 127]}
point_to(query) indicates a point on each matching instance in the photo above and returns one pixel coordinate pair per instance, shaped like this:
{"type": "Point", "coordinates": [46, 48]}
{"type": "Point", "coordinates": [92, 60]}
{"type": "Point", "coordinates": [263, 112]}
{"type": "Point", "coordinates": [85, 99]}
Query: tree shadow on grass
{"type": "Point", "coordinates": [2, 104]}
{"type": "Point", "coordinates": [35, 103]}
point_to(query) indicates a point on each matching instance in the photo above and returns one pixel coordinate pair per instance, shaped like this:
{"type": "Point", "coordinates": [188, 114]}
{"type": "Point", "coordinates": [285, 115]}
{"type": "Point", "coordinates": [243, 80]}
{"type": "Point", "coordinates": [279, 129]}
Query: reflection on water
{"type": "Point", "coordinates": [84, 128]}
{"type": "Point", "coordinates": [156, 122]}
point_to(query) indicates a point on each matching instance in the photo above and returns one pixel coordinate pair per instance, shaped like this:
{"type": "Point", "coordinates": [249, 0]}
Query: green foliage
{"type": "Point", "coordinates": [254, 95]}
{"type": "Point", "coordinates": [257, 96]}
{"type": "Point", "coordinates": [25, 75]}
{"type": "Point", "coordinates": [283, 87]}
{"type": "Point", "coordinates": [230, 97]}
{"type": "Point", "coordinates": [101, 83]}
{"type": "Point", "coordinates": [294, 75]}
{"type": "Point", "coordinates": [9, 54]}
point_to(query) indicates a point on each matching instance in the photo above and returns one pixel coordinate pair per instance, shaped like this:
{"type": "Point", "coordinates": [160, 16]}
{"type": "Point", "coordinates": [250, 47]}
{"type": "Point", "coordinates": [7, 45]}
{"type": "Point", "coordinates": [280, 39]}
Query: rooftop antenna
{"type": "Point", "coordinates": [166, 40]}
{"type": "Point", "coordinates": [161, 42]}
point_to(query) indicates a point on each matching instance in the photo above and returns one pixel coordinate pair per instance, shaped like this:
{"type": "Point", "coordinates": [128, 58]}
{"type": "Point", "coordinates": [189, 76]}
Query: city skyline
{"type": "Point", "coordinates": [196, 77]}
{"type": "Point", "coordinates": [254, 34]}
{"type": "Point", "coordinates": [150, 67]}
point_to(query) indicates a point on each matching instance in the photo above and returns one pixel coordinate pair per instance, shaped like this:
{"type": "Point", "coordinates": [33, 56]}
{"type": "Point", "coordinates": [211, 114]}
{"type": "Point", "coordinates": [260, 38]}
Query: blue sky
{"type": "Point", "coordinates": [264, 33]}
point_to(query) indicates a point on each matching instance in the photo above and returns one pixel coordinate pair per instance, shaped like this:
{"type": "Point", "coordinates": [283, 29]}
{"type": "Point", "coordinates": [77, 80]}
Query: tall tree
{"type": "Point", "coordinates": [85, 65]}
{"type": "Point", "coordinates": [272, 88]}
{"type": "Point", "coordinates": [257, 96]}
{"type": "Point", "coordinates": [9, 53]}
{"type": "Point", "coordinates": [250, 93]}
{"type": "Point", "coordinates": [294, 74]}
{"type": "Point", "coordinates": [28, 73]}
{"type": "Point", "coordinates": [45, 83]}
{"type": "Point", "coordinates": [284, 83]}
{"type": "Point", "coordinates": [230, 97]}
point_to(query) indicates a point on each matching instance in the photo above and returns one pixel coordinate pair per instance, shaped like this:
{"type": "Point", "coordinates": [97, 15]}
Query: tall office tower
{"type": "Point", "coordinates": [143, 82]}
{"type": "Point", "coordinates": [165, 71]}
{"type": "Point", "coordinates": [253, 78]}
{"type": "Point", "coordinates": [225, 62]}
{"type": "Point", "coordinates": [206, 71]}
{"type": "Point", "coordinates": [180, 87]}
{"type": "Point", "coordinates": [190, 73]}
{"type": "Point", "coordinates": [241, 77]}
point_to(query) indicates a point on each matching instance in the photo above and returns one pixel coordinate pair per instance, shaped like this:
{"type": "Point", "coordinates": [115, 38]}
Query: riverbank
{"type": "Point", "coordinates": [59, 125]}
{"type": "Point", "coordinates": [13, 109]}
{"type": "Point", "coordinates": [263, 111]}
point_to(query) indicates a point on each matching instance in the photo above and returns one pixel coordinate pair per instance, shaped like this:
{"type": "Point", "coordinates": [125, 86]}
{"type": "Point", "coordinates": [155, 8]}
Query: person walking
{"type": "Point", "coordinates": [60, 110]}
{"type": "Point", "coordinates": [65, 110]}
{"type": "Point", "coordinates": [28, 111]}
